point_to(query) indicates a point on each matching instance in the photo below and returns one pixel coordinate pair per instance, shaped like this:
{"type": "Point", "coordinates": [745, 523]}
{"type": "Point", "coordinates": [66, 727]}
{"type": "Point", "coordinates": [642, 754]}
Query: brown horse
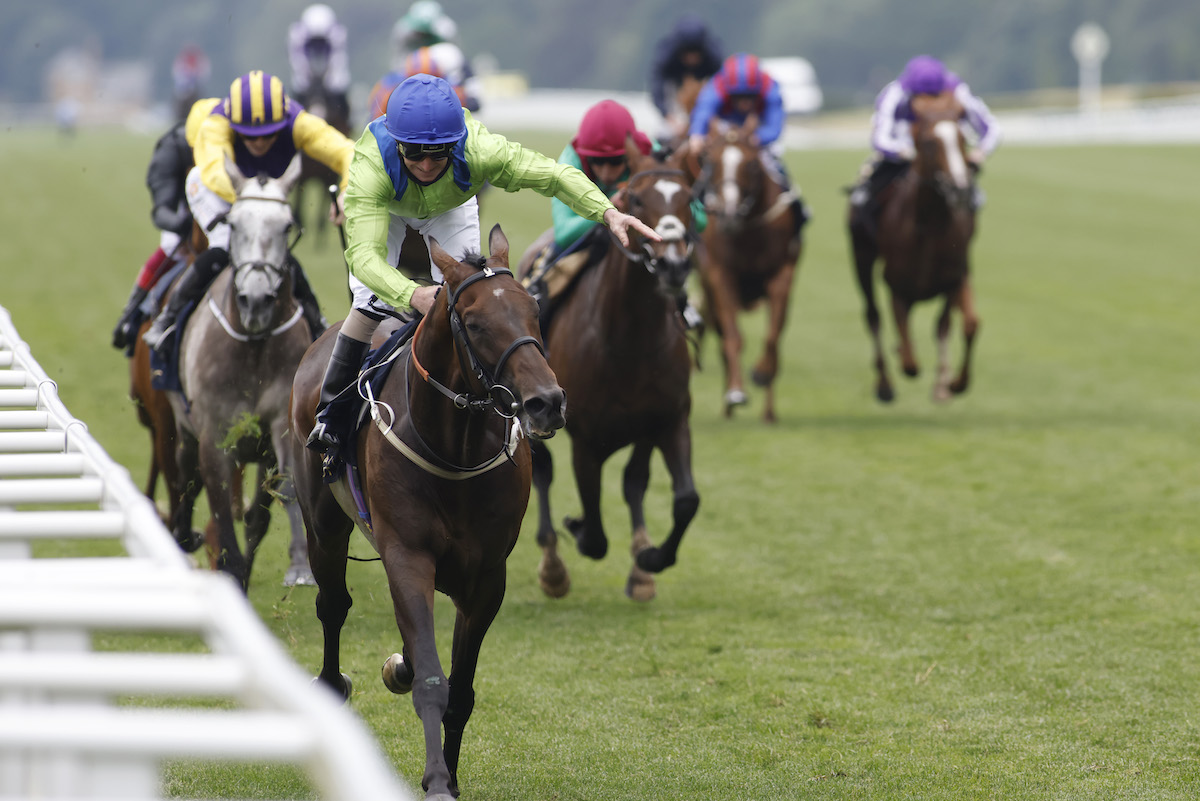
{"type": "Point", "coordinates": [155, 414]}
{"type": "Point", "coordinates": [752, 244]}
{"type": "Point", "coordinates": [473, 380]}
{"type": "Point", "coordinates": [238, 353]}
{"type": "Point", "coordinates": [926, 221]}
{"type": "Point", "coordinates": [617, 344]}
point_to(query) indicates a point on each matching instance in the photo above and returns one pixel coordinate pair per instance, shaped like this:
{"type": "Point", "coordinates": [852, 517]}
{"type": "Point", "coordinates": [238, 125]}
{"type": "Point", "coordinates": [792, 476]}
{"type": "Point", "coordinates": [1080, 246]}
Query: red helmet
{"type": "Point", "coordinates": [741, 74]}
{"type": "Point", "coordinates": [603, 130]}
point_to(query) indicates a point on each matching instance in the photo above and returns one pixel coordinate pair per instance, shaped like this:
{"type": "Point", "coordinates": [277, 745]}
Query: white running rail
{"type": "Point", "coordinates": [64, 734]}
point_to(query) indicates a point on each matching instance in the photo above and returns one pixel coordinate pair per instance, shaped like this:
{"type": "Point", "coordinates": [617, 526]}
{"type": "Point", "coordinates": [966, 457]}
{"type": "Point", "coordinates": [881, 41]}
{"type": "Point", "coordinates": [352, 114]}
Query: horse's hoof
{"type": "Point", "coordinates": [190, 542]}
{"type": "Point", "coordinates": [297, 576]}
{"type": "Point", "coordinates": [958, 387]}
{"type": "Point", "coordinates": [553, 577]}
{"type": "Point", "coordinates": [586, 545]}
{"type": "Point", "coordinates": [735, 397]}
{"type": "Point", "coordinates": [397, 675]}
{"type": "Point", "coordinates": [346, 690]}
{"type": "Point", "coordinates": [761, 379]}
{"type": "Point", "coordinates": [885, 394]}
{"type": "Point", "coordinates": [941, 394]}
{"type": "Point", "coordinates": [652, 560]}
{"type": "Point", "coordinates": [911, 370]}
{"type": "Point", "coordinates": [640, 586]}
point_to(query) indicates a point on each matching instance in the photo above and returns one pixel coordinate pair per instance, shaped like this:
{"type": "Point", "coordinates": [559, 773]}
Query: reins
{"type": "Point", "coordinates": [463, 401]}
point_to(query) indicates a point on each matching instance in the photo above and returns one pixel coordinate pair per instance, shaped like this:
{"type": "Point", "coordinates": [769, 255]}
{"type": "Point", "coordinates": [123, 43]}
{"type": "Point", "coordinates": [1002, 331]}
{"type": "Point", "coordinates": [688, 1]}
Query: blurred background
{"type": "Point", "coordinates": [110, 61]}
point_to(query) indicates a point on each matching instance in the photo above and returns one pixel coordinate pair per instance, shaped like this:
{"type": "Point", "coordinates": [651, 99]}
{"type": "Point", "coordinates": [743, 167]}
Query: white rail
{"type": "Point", "coordinates": [63, 732]}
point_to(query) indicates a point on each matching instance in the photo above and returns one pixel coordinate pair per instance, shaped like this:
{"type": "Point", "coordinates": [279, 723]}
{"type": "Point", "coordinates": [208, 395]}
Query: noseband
{"type": "Point", "coordinates": [495, 396]}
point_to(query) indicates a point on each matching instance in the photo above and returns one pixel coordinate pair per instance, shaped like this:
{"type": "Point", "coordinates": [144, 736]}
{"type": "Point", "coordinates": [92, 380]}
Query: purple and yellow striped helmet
{"type": "Point", "coordinates": [257, 104]}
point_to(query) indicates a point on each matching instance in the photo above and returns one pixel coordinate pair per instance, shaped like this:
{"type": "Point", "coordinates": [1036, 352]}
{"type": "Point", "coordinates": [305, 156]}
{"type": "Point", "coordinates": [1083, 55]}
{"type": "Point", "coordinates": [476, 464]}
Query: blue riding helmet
{"type": "Point", "coordinates": [924, 75]}
{"type": "Point", "coordinates": [424, 109]}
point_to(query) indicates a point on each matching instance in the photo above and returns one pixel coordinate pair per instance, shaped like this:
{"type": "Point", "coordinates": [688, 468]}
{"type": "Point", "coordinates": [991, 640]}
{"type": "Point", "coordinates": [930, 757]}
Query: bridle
{"type": "Point", "coordinates": [495, 396]}
{"type": "Point", "coordinates": [672, 232]}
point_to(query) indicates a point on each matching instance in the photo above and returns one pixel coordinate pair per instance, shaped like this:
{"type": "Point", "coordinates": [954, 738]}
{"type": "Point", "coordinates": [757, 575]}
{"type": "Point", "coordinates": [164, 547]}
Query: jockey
{"type": "Point", "coordinates": [189, 73]}
{"type": "Point", "coordinates": [261, 129]}
{"type": "Point", "coordinates": [891, 132]}
{"type": "Point", "coordinates": [421, 165]}
{"type": "Point", "coordinates": [165, 177]}
{"type": "Point", "coordinates": [423, 25]}
{"type": "Point", "coordinates": [443, 60]}
{"type": "Point", "coordinates": [318, 56]}
{"type": "Point", "coordinates": [598, 149]}
{"type": "Point", "coordinates": [688, 51]}
{"type": "Point", "coordinates": [740, 89]}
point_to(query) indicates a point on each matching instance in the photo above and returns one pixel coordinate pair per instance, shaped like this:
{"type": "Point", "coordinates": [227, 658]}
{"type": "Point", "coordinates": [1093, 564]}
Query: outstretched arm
{"type": "Point", "coordinates": [619, 223]}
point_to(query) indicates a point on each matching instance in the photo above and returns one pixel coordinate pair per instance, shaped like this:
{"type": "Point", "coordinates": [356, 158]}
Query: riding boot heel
{"type": "Point", "coordinates": [341, 372]}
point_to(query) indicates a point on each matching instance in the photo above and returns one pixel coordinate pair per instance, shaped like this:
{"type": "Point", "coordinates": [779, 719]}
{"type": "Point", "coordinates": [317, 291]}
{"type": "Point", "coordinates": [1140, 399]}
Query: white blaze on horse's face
{"type": "Point", "coordinates": [667, 189]}
{"type": "Point", "coordinates": [731, 159]}
{"type": "Point", "coordinates": [947, 132]}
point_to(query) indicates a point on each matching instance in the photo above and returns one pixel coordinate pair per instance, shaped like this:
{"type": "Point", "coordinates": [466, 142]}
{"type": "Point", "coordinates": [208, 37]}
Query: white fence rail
{"type": "Point", "coordinates": [65, 730]}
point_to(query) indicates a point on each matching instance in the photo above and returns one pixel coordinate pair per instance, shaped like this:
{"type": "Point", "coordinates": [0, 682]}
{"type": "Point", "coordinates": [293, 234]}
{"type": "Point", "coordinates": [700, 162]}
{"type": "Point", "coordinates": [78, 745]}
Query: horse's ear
{"type": "Point", "coordinates": [444, 261]}
{"type": "Point", "coordinates": [291, 174]}
{"type": "Point", "coordinates": [498, 244]}
{"type": "Point", "coordinates": [633, 154]}
{"type": "Point", "coordinates": [235, 175]}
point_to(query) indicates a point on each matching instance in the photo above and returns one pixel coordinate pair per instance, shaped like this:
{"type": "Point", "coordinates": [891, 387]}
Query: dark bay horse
{"type": "Point", "coordinates": [750, 254]}
{"type": "Point", "coordinates": [335, 110]}
{"type": "Point", "coordinates": [617, 344]}
{"type": "Point", "coordinates": [445, 478]}
{"type": "Point", "coordinates": [238, 353]}
{"type": "Point", "coordinates": [925, 225]}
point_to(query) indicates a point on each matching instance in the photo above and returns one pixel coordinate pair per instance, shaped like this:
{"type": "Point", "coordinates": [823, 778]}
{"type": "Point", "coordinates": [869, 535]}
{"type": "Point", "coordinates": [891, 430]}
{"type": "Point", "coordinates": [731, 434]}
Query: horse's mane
{"type": "Point", "coordinates": [475, 259]}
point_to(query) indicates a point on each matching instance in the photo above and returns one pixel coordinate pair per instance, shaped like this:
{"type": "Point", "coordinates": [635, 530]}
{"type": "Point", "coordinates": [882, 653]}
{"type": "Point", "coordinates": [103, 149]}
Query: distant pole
{"type": "Point", "coordinates": [1089, 45]}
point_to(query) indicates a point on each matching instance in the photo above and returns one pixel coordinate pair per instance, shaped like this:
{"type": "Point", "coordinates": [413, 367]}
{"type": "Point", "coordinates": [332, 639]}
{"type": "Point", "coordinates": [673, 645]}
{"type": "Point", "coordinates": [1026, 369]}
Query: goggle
{"type": "Point", "coordinates": [606, 161]}
{"type": "Point", "coordinates": [416, 151]}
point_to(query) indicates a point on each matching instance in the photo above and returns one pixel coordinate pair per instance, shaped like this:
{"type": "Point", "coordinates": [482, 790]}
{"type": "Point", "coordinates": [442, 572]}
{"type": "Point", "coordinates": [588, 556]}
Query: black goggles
{"type": "Point", "coordinates": [416, 151]}
{"type": "Point", "coordinates": [606, 161]}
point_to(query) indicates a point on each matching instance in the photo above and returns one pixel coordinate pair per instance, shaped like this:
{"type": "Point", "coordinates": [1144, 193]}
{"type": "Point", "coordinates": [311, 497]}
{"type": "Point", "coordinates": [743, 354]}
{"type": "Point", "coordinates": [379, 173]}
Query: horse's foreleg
{"type": "Point", "coordinates": [725, 308]}
{"type": "Point", "coordinates": [636, 478]}
{"type": "Point", "coordinates": [469, 630]}
{"type": "Point", "coordinates": [217, 469]}
{"type": "Point", "coordinates": [553, 576]}
{"type": "Point", "coordinates": [411, 580]}
{"type": "Point", "coordinates": [966, 303]}
{"type": "Point", "coordinates": [329, 531]}
{"type": "Point", "coordinates": [676, 447]}
{"type": "Point", "coordinates": [779, 290]}
{"type": "Point", "coordinates": [189, 486]}
{"type": "Point", "coordinates": [588, 529]}
{"type": "Point", "coordinates": [941, 383]}
{"type": "Point", "coordinates": [908, 359]}
{"type": "Point", "coordinates": [258, 516]}
{"type": "Point", "coordinates": [866, 251]}
{"type": "Point", "coordinates": [298, 571]}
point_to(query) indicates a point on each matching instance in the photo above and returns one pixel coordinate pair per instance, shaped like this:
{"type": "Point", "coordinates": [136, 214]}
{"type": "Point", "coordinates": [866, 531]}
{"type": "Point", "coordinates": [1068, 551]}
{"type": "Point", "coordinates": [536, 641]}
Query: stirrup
{"type": "Point", "coordinates": [156, 339]}
{"type": "Point", "coordinates": [322, 440]}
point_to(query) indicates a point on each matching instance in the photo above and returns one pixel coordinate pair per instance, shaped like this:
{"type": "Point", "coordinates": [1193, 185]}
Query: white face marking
{"type": "Point", "coordinates": [731, 159]}
{"type": "Point", "coordinates": [667, 188]}
{"type": "Point", "coordinates": [947, 131]}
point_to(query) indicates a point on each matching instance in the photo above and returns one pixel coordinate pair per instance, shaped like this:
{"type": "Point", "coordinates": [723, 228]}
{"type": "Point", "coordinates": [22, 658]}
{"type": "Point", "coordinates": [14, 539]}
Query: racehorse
{"type": "Point", "coordinates": [752, 246]}
{"type": "Point", "coordinates": [154, 412]}
{"type": "Point", "coordinates": [238, 352]}
{"type": "Point", "coordinates": [445, 477]}
{"type": "Point", "coordinates": [925, 225]}
{"type": "Point", "coordinates": [617, 344]}
{"type": "Point", "coordinates": [335, 110]}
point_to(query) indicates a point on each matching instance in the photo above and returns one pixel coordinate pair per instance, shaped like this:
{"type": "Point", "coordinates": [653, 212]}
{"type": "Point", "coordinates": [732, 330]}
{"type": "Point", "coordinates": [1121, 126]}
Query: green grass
{"type": "Point", "coordinates": [992, 599]}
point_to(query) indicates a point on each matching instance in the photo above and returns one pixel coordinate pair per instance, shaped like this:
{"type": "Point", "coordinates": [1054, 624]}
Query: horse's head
{"type": "Point", "coordinates": [941, 147]}
{"type": "Point", "coordinates": [660, 196]}
{"type": "Point", "coordinates": [259, 222]}
{"type": "Point", "coordinates": [494, 322]}
{"type": "Point", "coordinates": [733, 175]}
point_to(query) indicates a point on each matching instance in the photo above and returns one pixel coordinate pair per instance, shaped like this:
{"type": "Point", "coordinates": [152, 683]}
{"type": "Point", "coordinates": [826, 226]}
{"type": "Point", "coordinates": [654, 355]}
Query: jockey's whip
{"type": "Point", "coordinates": [333, 195]}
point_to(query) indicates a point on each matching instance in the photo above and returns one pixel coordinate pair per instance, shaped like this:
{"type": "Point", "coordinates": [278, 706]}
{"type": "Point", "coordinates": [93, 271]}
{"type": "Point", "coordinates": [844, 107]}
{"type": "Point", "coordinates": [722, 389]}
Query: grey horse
{"type": "Point", "coordinates": [238, 354]}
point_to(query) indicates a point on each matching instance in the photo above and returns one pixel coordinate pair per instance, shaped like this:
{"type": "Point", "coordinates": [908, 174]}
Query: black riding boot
{"type": "Point", "coordinates": [131, 318]}
{"type": "Point", "coordinates": [344, 363]}
{"type": "Point", "coordinates": [189, 289]}
{"type": "Point", "coordinates": [309, 305]}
